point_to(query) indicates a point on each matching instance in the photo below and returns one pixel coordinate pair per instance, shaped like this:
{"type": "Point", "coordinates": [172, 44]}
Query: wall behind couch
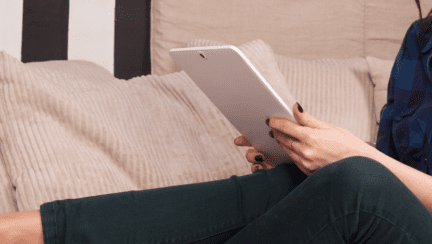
{"type": "Point", "coordinates": [100, 31]}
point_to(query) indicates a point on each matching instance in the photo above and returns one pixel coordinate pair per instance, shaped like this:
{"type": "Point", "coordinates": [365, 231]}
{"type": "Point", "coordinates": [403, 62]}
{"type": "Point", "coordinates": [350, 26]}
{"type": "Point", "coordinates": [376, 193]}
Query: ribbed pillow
{"type": "Point", "coordinates": [338, 91]}
{"type": "Point", "coordinates": [73, 131]}
{"type": "Point", "coordinates": [7, 197]}
{"type": "Point", "coordinates": [76, 68]}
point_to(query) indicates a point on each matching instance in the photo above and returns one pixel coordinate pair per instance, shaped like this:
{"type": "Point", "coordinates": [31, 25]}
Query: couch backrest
{"type": "Point", "coordinates": [300, 29]}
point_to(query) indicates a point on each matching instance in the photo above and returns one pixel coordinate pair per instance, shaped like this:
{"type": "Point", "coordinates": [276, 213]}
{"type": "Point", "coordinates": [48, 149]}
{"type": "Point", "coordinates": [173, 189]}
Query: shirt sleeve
{"type": "Point", "coordinates": [408, 55]}
{"type": "Point", "coordinates": [399, 87]}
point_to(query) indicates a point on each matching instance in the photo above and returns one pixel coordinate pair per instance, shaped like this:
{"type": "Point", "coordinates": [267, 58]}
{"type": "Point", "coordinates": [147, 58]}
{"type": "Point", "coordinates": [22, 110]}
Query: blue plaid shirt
{"type": "Point", "coordinates": [405, 129]}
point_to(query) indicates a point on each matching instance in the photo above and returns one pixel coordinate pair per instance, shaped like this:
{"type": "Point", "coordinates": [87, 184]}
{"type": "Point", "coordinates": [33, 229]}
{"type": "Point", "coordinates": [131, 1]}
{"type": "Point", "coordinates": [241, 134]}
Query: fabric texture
{"type": "Point", "coordinates": [81, 132]}
{"type": "Point", "coordinates": [307, 30]}
{"type": "Point", "coordinates": [405, 130]}
{"type": "Point", "coordinates": [71, 130]}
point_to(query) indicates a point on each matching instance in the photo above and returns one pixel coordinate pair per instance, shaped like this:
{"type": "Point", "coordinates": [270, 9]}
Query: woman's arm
{"type": "Point", "coordinates": [418, 182]}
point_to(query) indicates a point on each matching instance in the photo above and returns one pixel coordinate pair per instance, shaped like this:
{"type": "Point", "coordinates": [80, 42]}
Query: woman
{"type": "Point", "coordinates": [339, 189]}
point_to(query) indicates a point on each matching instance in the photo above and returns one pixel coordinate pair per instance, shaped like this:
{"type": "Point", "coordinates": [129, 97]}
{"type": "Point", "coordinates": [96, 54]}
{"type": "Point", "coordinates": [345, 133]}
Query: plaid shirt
{"type": "Point", "coordinates": [405, 129]}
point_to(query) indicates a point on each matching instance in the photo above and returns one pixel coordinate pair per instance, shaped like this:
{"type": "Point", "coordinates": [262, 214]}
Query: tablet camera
{"type": "Point", "coordinates": [202, 55]}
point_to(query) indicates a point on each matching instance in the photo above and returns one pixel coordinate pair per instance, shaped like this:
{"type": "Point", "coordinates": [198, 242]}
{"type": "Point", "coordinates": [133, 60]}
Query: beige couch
{"type": "Point", "coordinates": [69, 129]}
{"type": "Point", "coordinates": [329, 34]}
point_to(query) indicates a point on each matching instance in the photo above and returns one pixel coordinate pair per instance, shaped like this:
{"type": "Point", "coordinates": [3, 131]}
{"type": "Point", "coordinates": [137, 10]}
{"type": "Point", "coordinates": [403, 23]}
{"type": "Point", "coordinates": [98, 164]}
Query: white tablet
{"type": "Point", "coordinates": [238, 90]}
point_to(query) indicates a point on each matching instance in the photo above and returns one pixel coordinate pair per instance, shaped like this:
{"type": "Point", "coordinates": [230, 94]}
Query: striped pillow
{"type": "Point", "coordinates": [77, 132]}
{"type": "Point", "coordinates": [338, 91]}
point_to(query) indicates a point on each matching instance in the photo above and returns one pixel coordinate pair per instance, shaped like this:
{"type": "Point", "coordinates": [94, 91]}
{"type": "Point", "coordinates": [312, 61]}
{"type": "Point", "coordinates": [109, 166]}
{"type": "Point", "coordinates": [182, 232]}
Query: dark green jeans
{"type": "Point", "coordinates": [355, 200]}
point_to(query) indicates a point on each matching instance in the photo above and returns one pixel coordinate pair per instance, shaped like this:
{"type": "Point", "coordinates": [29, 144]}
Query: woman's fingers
{"type": "Point", "coordinates": [256, 167]}
{"type": "Point", "coordinates": [266, 163]}
{"type": "Point", "coordinates": [252, 153]}
{"type": "Point", "coordinates": [242, 141]}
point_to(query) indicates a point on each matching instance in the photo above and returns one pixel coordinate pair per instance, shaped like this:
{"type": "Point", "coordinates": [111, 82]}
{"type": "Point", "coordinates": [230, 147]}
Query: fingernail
{"type": "Point", "coordinates": [300, 108]}
{"type": "Point", "coordinates": [268, 122]}
{"type": "Point", "coordinates": [271, 134]}
{"type": "Point", "coordinates": [259, 158]}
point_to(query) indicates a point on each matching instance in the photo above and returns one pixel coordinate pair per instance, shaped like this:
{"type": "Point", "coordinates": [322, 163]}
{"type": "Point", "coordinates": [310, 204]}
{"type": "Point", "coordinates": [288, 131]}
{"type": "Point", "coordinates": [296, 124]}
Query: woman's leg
{"type": "Point", "coordinates": [209, 212]}
{"type": "Point", "coordinates": [355, 200]}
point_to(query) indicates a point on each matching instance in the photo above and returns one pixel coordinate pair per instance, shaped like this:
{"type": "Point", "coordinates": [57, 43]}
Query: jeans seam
{"type": "Point", "coordinates": [239, 197]}
{"type": "Point", "coordinates": [54, 208]}
{"type": "Point", "coordinates": [358, 213]}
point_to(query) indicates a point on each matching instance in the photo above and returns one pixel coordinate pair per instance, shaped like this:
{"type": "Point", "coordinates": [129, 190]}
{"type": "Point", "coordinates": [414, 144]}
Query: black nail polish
{"type": "Point", "coordinates": [300, 108]}
{"type": "Point", "coordinates": [259, 158]}
{"type": "Point", "coordinates": [268, 122]}
{"type": "Point", "coordinates": [271, 134]}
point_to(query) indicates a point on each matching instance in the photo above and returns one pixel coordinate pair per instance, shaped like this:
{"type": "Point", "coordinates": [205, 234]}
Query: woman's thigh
{"type": "Point", "coordinates": [355, 200]}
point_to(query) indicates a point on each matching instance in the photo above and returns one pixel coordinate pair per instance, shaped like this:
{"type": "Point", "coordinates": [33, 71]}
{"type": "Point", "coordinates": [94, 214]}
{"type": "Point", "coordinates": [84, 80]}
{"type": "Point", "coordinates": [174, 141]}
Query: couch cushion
{"type": "Point", "coordinates": [7, 198]}
{"type": "Point", "coordinates": [386, 23]}
{"type": "Point", "coordinates": [77, 68]}
{"type": "Point", "coordinates": [338, 91]}
{"type": "Point", "coordinates": [56, 142]}
{"type": "Point", "coordinates": [301, 29]}
{"type": "Point", "coordinates": [308, 30]}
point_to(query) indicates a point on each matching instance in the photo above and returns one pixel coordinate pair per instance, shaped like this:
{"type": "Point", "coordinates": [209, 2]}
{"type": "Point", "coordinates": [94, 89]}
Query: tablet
{"type": "Point", "coordinates": [228, 78]}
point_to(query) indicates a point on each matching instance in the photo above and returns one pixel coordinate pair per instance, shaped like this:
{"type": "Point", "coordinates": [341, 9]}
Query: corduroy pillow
{"type": "Point", "coordinates": [338, 91]}
{"type": "Point", "coordinates": [73, 131]}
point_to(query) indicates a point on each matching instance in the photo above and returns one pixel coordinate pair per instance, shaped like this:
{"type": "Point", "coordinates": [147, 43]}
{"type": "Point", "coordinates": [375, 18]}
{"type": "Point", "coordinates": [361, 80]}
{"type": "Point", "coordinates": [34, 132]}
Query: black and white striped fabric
{"type": "Point", "coordinates": [112, 33]}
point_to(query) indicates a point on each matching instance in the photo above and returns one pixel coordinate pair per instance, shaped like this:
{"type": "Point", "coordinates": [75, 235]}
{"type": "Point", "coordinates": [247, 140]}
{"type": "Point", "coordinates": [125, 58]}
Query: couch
{"type": "Point", "coordinates": [70, 129]}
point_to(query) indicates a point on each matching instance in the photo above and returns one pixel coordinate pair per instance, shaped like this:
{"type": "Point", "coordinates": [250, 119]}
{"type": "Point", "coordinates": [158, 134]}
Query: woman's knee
{"type": "Point", "coordinates": [354, 172]}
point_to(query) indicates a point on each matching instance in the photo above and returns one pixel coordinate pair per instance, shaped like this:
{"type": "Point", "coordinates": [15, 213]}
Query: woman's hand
{"type": "Point", "coordinates": [316, 143]}
{"type": "Point", "coordinates": [251, 154]}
